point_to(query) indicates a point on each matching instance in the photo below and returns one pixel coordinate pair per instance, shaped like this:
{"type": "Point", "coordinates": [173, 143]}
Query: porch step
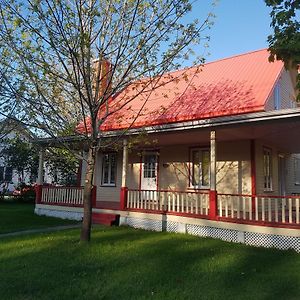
{"type": "Point", "coordinates": [105, 219]}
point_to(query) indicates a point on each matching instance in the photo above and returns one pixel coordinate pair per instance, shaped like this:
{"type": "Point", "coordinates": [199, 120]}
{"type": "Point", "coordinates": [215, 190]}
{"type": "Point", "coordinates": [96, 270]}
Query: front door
{"type": "Point", "coordinates": [149, 171]}
{"type": "Point", "coordinates": [281, 175]}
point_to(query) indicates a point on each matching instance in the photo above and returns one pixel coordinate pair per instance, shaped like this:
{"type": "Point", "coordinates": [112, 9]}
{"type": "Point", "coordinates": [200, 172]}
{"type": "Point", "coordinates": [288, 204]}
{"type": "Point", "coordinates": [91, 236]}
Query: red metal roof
{"type": "Point", "coordinates": [235, 85]}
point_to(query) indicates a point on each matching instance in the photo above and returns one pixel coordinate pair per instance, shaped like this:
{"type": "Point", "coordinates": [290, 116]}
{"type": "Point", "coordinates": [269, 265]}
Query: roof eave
{"type": "Point", "coordinates": [248, 118]}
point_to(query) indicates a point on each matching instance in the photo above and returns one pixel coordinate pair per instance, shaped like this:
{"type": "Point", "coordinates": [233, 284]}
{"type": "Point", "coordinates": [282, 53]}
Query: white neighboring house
{"type": "Point", "coordinates": [9, 177]}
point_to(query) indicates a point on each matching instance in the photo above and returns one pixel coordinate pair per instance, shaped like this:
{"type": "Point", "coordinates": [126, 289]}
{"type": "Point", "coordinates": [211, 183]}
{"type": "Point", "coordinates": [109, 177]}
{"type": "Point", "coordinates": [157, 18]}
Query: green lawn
{"type": "Point", "coordinates": [16, 216]}
{"type": "Point", "coordinates": [123, 263]}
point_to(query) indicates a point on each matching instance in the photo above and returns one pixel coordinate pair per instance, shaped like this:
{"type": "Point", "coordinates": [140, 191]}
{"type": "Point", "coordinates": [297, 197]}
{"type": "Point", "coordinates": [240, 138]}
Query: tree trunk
{"type": "Point", "coordinates": [85, 235]}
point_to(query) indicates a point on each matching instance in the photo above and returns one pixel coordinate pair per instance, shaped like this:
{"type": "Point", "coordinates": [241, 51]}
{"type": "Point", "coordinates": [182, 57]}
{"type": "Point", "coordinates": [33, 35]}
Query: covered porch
{"type": "Point", "coordinates": [153, 181]}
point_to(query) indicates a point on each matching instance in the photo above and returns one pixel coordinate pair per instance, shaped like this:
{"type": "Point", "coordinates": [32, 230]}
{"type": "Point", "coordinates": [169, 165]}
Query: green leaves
{"type": "Point", "coordinates": [62, 165]}
{"type": "Point", "coordinates": [49, 50]}
{"type": "Point", "coordinates": [284, 43]}
{"type": "Point", "coordinates": [21, 156]}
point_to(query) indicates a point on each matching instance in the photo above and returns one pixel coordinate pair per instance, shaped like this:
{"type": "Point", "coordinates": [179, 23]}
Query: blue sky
{"type": "Point", "coordinates": [240, 26]}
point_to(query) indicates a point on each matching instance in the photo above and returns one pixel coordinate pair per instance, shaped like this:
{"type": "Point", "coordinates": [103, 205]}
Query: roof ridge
{"type": "Point", "coordinates": [187, 68]}
{"type": "Point", "coordinates": [234, 56]}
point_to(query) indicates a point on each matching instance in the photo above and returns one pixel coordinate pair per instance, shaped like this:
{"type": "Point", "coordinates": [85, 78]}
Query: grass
{"type": "Point", "coordinates": [124, 263]}
{"type": "Point", "coordinates": [16, 216]}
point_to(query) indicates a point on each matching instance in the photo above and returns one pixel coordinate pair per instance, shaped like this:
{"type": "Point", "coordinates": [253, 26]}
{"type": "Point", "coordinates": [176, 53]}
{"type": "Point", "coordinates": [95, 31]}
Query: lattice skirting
{"type": "Point", "coordinates": [229, 235]}
{"type": "Point", "coordinates": [147, 224]}
{"type": "Point", "coordinates": [63, 214]}
{"type": "Point", "coordinates": [272, 241]}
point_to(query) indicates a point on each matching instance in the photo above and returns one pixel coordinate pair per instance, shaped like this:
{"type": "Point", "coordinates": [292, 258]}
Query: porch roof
{"type": "Point", "coordinates": [280, 128]}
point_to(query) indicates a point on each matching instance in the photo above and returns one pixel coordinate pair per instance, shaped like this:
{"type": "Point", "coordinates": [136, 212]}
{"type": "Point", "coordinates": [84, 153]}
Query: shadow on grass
{"type": "Point", "coordinates": [124, 263]}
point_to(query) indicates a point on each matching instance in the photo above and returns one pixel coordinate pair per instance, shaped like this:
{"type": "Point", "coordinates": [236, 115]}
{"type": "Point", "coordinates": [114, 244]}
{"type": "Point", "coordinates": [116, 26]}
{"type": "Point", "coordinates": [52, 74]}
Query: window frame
{"type": "Point", "coordinates": [268, 184]}
{"type": "Point", "coordinates": [199, 186]}
{"type": "Point", "coordinates": [146, 164]}
{"type": "Point", "coordinates": [109, 183]}
{"type": "Point", "coordinates": [296, 174]}
{"type": "Point", "coordinates": [277, 96]}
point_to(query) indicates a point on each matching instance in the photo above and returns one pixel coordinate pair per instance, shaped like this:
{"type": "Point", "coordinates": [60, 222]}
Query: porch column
{"type": "Point", "coordinates": [253, 174]}
{"type": "Point", "coordinates": [39, 182]}
{"type": "Point", "coordinates": [213, 206]}
{"type": "Point", "coordinates": [124, 189]}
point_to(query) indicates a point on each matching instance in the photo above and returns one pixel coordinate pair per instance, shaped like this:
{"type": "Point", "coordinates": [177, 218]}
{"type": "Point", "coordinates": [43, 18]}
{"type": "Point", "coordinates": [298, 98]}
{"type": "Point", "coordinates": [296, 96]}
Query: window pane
{"type": "Point", "coordinates": [113, 165]}
{"type": "Point", "coordinates": [109, 168]}
{"type": "Point", "coordinates": [205, 168]}
{"type": "Point", "coordinates": [196, 167]}
{"type": "Point", "coordinates": [150, 166]}
{"type": "Point", "coordinates": [267, 160]}
{"type": "Point", "coordinates": [296, 170]}
{"type": "Point", "coordinates": [105, 168]}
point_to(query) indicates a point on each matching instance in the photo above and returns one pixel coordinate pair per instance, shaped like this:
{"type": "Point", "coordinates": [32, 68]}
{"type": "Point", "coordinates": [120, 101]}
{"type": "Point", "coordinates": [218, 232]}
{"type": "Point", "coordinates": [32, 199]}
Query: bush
{"type": "Point", "coordinates": [25, 193]}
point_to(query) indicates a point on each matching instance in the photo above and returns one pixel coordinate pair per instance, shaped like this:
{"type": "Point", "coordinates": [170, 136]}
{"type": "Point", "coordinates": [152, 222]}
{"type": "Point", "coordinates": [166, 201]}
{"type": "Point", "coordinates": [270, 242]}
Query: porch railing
{"type": "Point", "coordinates": [260, 209]}
{"type": "Point", "coordinates": [60, 195]}
{"type": "Point", "coordinates": [188, 202]}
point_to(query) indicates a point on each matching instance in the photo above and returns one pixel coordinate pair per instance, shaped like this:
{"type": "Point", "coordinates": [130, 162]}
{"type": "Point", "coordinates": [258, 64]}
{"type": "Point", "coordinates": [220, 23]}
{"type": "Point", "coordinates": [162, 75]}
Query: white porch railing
{"type": "Point", "coordinates": [59, 195]}
{"type": "Point", "coordinates": [190, 202]}
{"type": "Point", "coordinates": [271, 209]}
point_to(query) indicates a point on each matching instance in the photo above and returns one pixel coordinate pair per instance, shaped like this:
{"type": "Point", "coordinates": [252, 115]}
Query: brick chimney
{"type": "Point", "coordinates": [102, 76]}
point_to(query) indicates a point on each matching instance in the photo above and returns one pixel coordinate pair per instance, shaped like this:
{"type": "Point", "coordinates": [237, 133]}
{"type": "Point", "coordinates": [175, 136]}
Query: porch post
{"type": "Point", "coordinates": [124, 189]}
{"type": "Point", "coordinates": [253, 174]}
{"type": "Point", "coordinates": [213, 206]}
{"type": "Point", "coordinates": [39, 182]}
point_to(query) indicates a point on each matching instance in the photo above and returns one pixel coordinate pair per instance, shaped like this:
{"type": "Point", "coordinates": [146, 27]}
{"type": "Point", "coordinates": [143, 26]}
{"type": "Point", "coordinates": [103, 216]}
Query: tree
{"type": "Point", "coordinates": [284, 43]}
{"type": "Point", "coordinates": [21, 156]}
{"type": "Point", "coordinates": [63, 165]}
{"type": "Point", "coordinates": [50, 75]}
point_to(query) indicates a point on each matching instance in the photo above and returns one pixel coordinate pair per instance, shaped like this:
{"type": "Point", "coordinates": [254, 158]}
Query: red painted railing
{"type": "Point", "coordinates": [61, 195]}
{"type": "Point", "coordinates": [266, 210]}
{"type": "Point", "coordinates": [177, 202]}
{"type": "Point", "coordinates": [260, 209]}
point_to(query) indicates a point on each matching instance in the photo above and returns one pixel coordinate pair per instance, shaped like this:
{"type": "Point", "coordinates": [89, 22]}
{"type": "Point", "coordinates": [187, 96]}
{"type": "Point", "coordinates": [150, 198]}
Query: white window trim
{"type": "Point", "coordinates": [277, 96]}
{"type": "Point", "coordinates": [198, 187]}
{"type": "Point", "coordinates": [109, 171]}
{"type": "Point", "coordinates": [154, 153]}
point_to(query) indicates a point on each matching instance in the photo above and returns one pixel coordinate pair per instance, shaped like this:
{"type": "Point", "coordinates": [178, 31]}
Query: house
{"type": "Point", "coordinates": [220, 157]}
{"type": "Point", "coordinates": [10, 178]}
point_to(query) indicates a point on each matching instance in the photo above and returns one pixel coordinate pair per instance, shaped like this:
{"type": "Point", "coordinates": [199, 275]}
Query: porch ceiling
{"type": "Point", "coordinates": [284, 134]}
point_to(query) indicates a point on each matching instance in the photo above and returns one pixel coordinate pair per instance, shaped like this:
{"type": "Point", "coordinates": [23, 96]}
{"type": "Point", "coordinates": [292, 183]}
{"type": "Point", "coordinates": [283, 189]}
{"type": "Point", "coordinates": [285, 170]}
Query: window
{"type": "Point", "coordinates": [267, 169]}
{"type": "Point", "coordinates": [109, 168]}
{"type": "Point", "coordinates": [297, 170]}
{"type": "Point", "coordinates": [8, 174]}
{"type": "Point", "coordinates": [277, 98]}
{"type": "Point", "coordinates": [150, 165]}
{"type": "Point", "coordinates": [200, 168]}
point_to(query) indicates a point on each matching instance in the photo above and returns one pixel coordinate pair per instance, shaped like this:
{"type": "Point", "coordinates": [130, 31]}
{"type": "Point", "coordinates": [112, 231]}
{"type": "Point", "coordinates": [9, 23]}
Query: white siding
{"type": "Point", "coordinates": [292, 182]}
{"type": "Point", "coordinates": [287, 93]}
{"type": "Point", "coordinates": [233, 167]}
